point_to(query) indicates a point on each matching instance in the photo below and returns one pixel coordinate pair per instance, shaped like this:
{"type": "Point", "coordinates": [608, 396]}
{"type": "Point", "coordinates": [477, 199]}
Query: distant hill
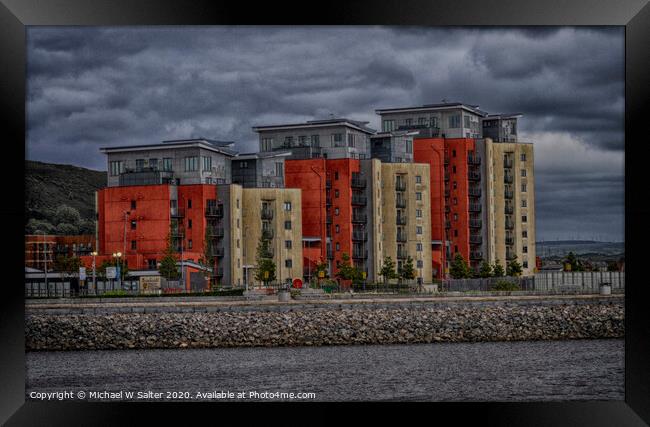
{"type": "Point", "coordinates": [578, 247]}
{"type": "Point", "coordinates": [48, 186]}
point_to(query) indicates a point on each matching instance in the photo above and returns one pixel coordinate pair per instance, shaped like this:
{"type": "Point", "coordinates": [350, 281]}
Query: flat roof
{"type": "Point", "coordinates": [394, 133]}
{"type": "Point", "coordinates": [355, 124]}
{"type": "Point", "coordinates": [261, 155]}
{"type": "Point", "coordinates": [504, 116]}
{"type": "Point", "coordinates": [166, 145]}
{"type": "Point", "coordinates": [434, 107]}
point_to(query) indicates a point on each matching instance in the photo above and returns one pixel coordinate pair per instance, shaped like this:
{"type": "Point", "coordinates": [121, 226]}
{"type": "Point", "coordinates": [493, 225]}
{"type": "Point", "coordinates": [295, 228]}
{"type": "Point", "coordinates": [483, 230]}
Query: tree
{"type": "Point", "coordinates": [265, 266]}
{"type": "Point", "coordinates": [66, 264]}
{"type": "Point", "coordinates": [388, 269]}
{"type": "Point", "coordinates": [497, 269]}
{"type": "Point", "coordinates": [407, 271]}
{"type": "Point", "coordinates": [168, 268]}
{"type": "Point", "coordinates": [208, 259]}
{"type": "Point", "coordinates": [347, 271]}
{"type": "Point", "coordinates": [65, 229]}
{"type": "Point", "coordinates": [573, 263]}
{"type": "Point", "coordinates": [39, 226]}
{"type": "Point", "coordinates": [514, 268]}
{"type": "Point", "coordinates": [87, 226]}
{"type": "Point", "coordinates": [459, 268]}
{"type": "Point", "coordinates": [321, 266]}
{"type": "Point", "coordinates": [612, 266]}
{"type": "Point", "coordinates": [65, 214]}
{"type": "Point", "coordinates": [485, 270]}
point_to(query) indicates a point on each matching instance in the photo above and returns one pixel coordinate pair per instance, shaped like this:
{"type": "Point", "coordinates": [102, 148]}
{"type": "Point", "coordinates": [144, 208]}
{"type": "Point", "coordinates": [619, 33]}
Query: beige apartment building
{"type": "Point", "coordinates": [273, 214]}
{"type": "Point", "coordinates": [511, 203]}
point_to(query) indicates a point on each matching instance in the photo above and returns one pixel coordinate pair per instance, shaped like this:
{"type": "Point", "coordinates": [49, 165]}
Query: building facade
{"type": "Point", "coordinates": [42, 250]}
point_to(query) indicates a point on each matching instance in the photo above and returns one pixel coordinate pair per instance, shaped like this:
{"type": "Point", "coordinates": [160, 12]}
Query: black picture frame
{"type": "Point", "coordinates": [15, 15]}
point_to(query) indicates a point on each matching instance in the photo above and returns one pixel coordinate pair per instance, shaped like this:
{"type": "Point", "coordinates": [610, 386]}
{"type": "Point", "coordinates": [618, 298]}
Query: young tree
{"type": "Point", "coordinates": [497, 269]}
{"type": "Point", "coordinates": [514, 268]}
{"type": "Point", "coordinates": [321, 266]}
{"type": "Point", "coordinates": [407, 271]}
{"type": "Point", "coordinates": [265, 266]}
{"type": "Point", "coordinates": [459, 268]}
{"type": "Point", "coordinates": [347, 271]}
{"type": "Point", "coordinates": [168, 268]}
{"type": "Point", "coordinates": [208, 258]}
{"type": "Point", "coordinates": [573, 262]}
{"type": "Point", "coordinates": [485, 270]}
{"type": "Point", "coordinates": [66, 264]}
{"type": "Point", "coordinates": [388, 269]}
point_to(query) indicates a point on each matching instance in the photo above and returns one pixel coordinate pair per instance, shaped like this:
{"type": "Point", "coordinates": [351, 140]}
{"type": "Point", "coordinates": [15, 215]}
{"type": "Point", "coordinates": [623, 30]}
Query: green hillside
{"type": "Point", "coordinates": [50, 186]}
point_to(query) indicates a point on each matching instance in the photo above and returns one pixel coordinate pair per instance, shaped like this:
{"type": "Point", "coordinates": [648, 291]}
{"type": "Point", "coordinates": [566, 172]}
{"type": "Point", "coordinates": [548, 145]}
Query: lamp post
{"type": "Point", "coordinates": [117, 257]}
{"type": "Point", "coordinates": [94, 254]}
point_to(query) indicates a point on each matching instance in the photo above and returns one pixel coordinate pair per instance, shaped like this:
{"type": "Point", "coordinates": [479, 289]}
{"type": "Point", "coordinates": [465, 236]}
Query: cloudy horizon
{"type": "Point", "coordinates": [90, 87]}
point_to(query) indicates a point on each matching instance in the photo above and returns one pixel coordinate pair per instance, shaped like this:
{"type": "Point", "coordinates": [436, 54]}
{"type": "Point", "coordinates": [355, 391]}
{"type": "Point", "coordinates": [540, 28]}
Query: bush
{"type": "Point", "coordinates": [116, 293]}
{"type": "Point", "coordinates": [329, 286]}
{"type": "Point", "coordinates": [505, 285]}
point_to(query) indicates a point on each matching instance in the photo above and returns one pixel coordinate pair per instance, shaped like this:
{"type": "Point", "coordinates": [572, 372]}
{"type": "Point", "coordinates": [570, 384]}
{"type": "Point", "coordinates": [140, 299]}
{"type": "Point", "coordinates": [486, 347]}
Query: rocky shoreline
{"type": "Point", "coordinates": [46, 332]}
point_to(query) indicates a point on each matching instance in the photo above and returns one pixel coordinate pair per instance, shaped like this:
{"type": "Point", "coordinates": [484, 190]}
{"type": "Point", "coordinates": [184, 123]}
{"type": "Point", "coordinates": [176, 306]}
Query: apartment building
{"type": "Point", "coordinates": [392, 147]}
{"type": "Point", "coordinates": [335, 138]}
{"type": "Point", "coordinates": [253, 170]}
{"type": "Point", "coordinates": [42, 250]}
{"type": "Point", "coordinates": [500, 127]}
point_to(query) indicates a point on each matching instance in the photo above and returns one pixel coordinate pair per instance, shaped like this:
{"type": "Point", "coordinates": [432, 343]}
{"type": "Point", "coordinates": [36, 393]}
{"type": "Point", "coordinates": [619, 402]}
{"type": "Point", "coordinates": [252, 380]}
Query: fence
{"type": "Point", "coordinates": [583, 281]}
{"type": "Point", "coordinates": [71, 287]}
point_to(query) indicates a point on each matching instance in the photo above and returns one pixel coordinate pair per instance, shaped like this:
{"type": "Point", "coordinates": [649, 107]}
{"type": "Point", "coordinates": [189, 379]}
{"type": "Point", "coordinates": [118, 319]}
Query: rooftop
{"type": "Point", "coordinates": [504, 116]}
{"type": "Point", "coordinates": [222, 147]}
{"type": "Point", "coordinates": [342, 121]}
{"type": "Point", "coordinates": [432, 107]}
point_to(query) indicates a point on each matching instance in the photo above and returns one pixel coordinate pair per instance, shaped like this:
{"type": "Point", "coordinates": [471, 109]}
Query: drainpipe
{"type": "Point", "coordinates": [320, 210]}
{"type": "Point", "coordinates": [442, 213]}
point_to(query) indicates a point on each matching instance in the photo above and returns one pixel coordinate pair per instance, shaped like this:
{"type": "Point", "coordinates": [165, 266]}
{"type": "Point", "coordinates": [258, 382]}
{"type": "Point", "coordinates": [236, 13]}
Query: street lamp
{"type": "Point", "coordinates": [94, 254]}
{"type": "Point", "coordinates": [117, 257]}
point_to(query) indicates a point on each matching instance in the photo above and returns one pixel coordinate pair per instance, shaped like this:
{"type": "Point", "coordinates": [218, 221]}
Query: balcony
{"type": "Point", "coordinates": [510, 224]}
{"type": "Point", "coordinates": [447, 224]}
{"type": "Point", "coordinates": [400, 185]}
{"type": "Point", "coordinates": [359, 253]}
{"type": "Point", "coordinates": [474, 191]}
{"type": "Point", "coordinates": [267, 234]}
{"type": "Point", "coordinates": [330, 253]}
{"type": "Point", "coordinates": [508, 178]}
{"type": "Point", "coordinates": [447, 193]}
{"type": "Point", "coordinates": [474, 160]}
{"type": "Point", "coordinates": [446, 160]}
{"type": "Point", "coordinates": [475, 239]}
{"type": "Point", "coordinates": [328, 219]}
{"type": "Point", "coordinates": [215, 232]}
{"type": "Point", "coordinates": [476, 255]}
{"type": "Point", "coordinates": [508, 194]}
{"type": "Point", "coordinates": [475, 223]}
{"type": "Point", "coordinates": [474, 175]}
{"type": "Point", "coordinates": [402, 237]}
{"type": "Point", "coordinates": [508, 210]}
{"type": "Point", "coordinates": [328, 183]}
{"type": "Point", "coordinates": [474, 207]}
{"type": "Point", "coordinates": [359, 217]}
{"type": "Point", "coordinates": [359, 200]}
{"type": "Point", "coordinates": [447, 209]}
{"type": "Point", "coordinates": [328, 202]}
{"type": "Point", "coordinates": [216, 252]}
{"type": "Point", "coordinates": [402, 254]}
{"type": "Point", "coordinates": [214, 211]}
{"type": "Point", "coordinates": [358, 183]}
{"type": "Point", "coordinates": [359, 236]}
{"type": "Point", "coordinates": [400, 220]}
{"type": "Point", "coordinates": [507, 163]}
{"type": "Point", "coordinates": [510, 255]}
{"type": "Point", "coordinates": [177, 212]}
{"type": "Point", "coordinates": [510, 240]}
{"type": "Point", "coordinates": [177, 231]}
{"type": "Point", "coordinates": [446, 176]}
{"type": "Point", "coordinates": [400, 202]}
{"type": "Point", "coordinates": [266, 213]}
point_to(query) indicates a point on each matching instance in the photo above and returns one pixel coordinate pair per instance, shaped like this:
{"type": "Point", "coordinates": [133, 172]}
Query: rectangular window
{"type": "Point", "coordinates": [388, 125]}
{"type": "Point", "coordinates": [287, 225]}
{"type": "Point", "coordinates": [167, 164]}
{"type": "Point", "coordinates": [288, 141]}
{"type": "Point", "coordinates": [418, 229]}
{"type": "Point", "coordinates": [287, 244]}
{"type": "Point", "coordinates": [189, 244]}
{"type": "Point", "coordinates": [523, 188]}
{"type": "Point", "coordinates": [243, 165]}
{"type": "Point", "coordinates": [337, 228]}
{"type": "Point", "coordinates": [523, 157]}
{"type": "Point", "coordinates": [133, 225]}
{"type": "Point", "coordinates": [279, 169]}
{"type": "Point", "coordinates": [134, 244]}
{"type": "Point", "coordinates": [418, 196]}
{"type": "Point", "coordinates": [338, 246]}
{"type": "Point", "coordinates": [191, 164]}
{"type": "Point", "coordinates": [207, 163]}
{"type": "Point", "coordinates": [288, 263]}
{"type": "Point", "coordinates": [153, 164]}
{"type": "Point", "coordinates": [133, 204]}
{"type": "Point", "coordinates": [420, 264]}
{"type": "Point", "coordinates": [115, 168]}
{"type": "Point", "coordinates": [139, 165]}
{"type": "Point", "coordinates": [466, 120]}
{"type": "Point", "coordinates": [524, 234]}
{"type": "Point", "coordinates": [315, 141]}
{"type": "Point", "coordinates": [302, 140]}
{"type": "Point", "coordinates": [287, 206]}
{"type": "Point", "coordinates": [337, 140]}
{"type": "Point", "coordinates": [189, 203]}
{"type": "Point", "coordinates": [524, 218]}
{"type": "Point", "coordinates": [350, 140]}
{"type": "Point", "coordinates": [409, 146]}
{"type": "Point", "coordinates": [267, 144]}
{"type": "Point", "coordinates": [418, 213]}
{"type": "Point", "coordinates": [408, 122]}
{"type": "Point", "coordinates": [523, 172]}
{"type": "Point", "coordinates": [525, 264]}
{"type": "Point", "coordinates": [525, 249]}
{"type": "Point", "coordinates": [454, 121]}
{"type": "Point", "coordinates": [418, 179]}
{"type": "Point", "coordinates": [422, 121]}
{"type": "Point", "coordinates": [524, 203]}
{"type": "Point", "coordinates": [189, 223]}
{"type": "Point", "coordinates": [418, 247]}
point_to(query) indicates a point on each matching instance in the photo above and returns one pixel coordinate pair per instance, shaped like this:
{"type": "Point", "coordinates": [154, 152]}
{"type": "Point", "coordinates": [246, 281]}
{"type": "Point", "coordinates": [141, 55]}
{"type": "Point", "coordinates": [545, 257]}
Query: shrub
{"type": "Point", "coordinates": [505, 285]}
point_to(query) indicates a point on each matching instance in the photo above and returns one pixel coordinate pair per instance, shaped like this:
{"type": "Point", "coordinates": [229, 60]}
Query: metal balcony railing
{"type": "Point", "coordinates": [216, 232]}
{"type": "Point", "coordinates": [330, 253]}
{"type": "Point", "coordinates": [402, 237]}
{"type": "Point", "coordinates": [267, 233]}
{"type": "Point", "coordinates": [328, 183]}
{"type": "Point", "coordinates": [359, 217]}
{"type": "Point", "coordinates": [400, 185]}
{"type": "Point", "coordinates": [476, 255]}
{"type": "Point", "coordinates": [509, 194]}
{"type": "Point", "coordinates": [446, 160]}
{"type": "Point", "coordinates": [475, 223]}
{"type": "Point", "coordinates": [446, 176]}
{"type": "Point", "coordinates": [216, 252]}
{"type": "Point", "coordinates": [510, 255]}
{"type": "Point", "coordinates": [447, 193]}
{"type": "Point", "coordinates": [474, 207]}
{"type": "Point", "coordinates": [474, 175]}
{"type": "Point", "coordinates": [359, 200]}
{"type": "Point", "coordinates": [508, 178]}
{"type": "Point", "coordinates": [177, 212]}
{"type": "Point", "coordinates": [358, 183]}
{"type": "Point", "coordinates": [510, 225]}
{"type": "Point", "coordinates": [447, 208]}
{"type": "Point", "coordinates": [447, 224]}
{"type": "Point", "coordinates": [266, 213]}
{"type": "Point", "coordinates": [214, 211]}
{"type": "Point", "coordinates": [328, 219]}
{"type": "Point", "coordinates": [510, 240]}
{"type": "Point", "coordinates": [475, 239]}
{"type": "Point", "coordinates": [177, 231]}
{"type": "Point", "coordinates": [509, 210]}
{"type": "Point", "coordinates": [403, 254]}
{"type": "Point", "coordinates": [507, 163]}
{"type": "Point", "coordinates": [360, 254]}
{"type": "Point", "coordinates": [474, 160]}
{"type": "Point", "coordinates": [359, 236]}
{"type": "Point", "coordinates": [400, 202]}
{"type": "Point", "coordinates": [400, 220]}
{"type": "Point", "coordinates": [474, 191]}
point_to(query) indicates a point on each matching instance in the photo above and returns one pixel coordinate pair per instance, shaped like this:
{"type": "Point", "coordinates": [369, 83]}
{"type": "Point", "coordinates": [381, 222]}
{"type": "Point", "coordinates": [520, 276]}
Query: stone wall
{"type": "Point", "coordinates": [325, 326]}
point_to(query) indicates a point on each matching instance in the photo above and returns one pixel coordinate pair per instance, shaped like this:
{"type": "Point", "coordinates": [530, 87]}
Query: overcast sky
{"type": "Point", "coordinates": [94, 87]}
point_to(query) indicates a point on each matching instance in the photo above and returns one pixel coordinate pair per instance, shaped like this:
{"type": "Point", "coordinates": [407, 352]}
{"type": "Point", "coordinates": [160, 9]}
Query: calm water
{"type": "Point", "coordinates": [504, 371]}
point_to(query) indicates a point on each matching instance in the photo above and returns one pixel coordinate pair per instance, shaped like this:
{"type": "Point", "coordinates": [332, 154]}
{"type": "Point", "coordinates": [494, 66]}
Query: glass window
{"type": "Point", "coordinates": [189, 223]}
{"type": "Point", "coordinates": [288, 141]}
{"type": "Point", "coordinates": [418, 229]}
{"type": "Point", "coordinates": [279, 169]}
{"type": "Point", "coordinates": [418, 179]}
{"type": "Point", "coordinates": [133, 225]}
{"type": "Point", "coordinates": [418, 195]}
{"type": "Point", "coordinates": [524, 234]}
{"type": "Point", "coordinates": [115, 167]}
{"type": "Point", "coordinates": [207, 163]}
{"type": "Point", "coordinates": [454, 121]}
{"type": "Point", "coordinates": [337, 139]}
{"type": "Point", "coordinates": [133, 204]}
{"type": "Point", "coordinates": [523, 187]}
{"type": "Point", "coordinates": [338, 246]}
{"type": "Point", "coordinates": [337, 228]}
{"type": "Point", "coordinates": [167, 164]}
{"type": "Point", "coordinates": [523, 172]}
{"type": "Point", "coordinates": [525, 249]}
{"type": "Point", "coordinates": [139, 165]}
{"type": "Point", "coordinates": [523, 157]}
{"type": "Point", "coordinates": [302, 140]}
{"type": "Point", "coordinates": [388, 125]}
{"type": "Point", "coordinates": [153, 164]}
{"type": "Point", "coordinates": [350, 140]}
{"type": "Point", "coordinates": [315, 141]}
{"type": "Point", "coordinates": [336, 211]}
{"type": "Point", "coordinates": [409, 146]}
{"type": "Point", "coordinates": [287, 206]}
{"type": "Point", "coordinates": [189, 203]}
{"type": "Point", "coordinates": [133, 244]}
{"type": "Point", "coordinates": [418, 213]}
{"type": "Point", "coordinates": [523, 203]}
{"type": "Point", "coordinates": [422, 121]}
{"type": "Point", "coordinates": [288, 263]}
{"type": "Point", "coordinates": [189, 244]}
{"type": "Point", "coordinates": [267, 144]}
{"type": "Point", "coordinates": [287, 244]}
{"type": "Point", "coordinates": [420, 264]}
{"type": "Point", "coordinates": [287, 225]}
{"type": "Point", "coordinates": [191, 164]}
{"type": "Point", "coordinates": [524, 218]}
{"type": "Point", "coordinates": [418, 247]}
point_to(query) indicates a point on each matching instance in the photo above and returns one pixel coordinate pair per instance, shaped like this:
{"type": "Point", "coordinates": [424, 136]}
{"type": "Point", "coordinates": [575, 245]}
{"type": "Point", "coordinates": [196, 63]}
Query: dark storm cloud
{"type": "Point", "coordinates": [93, 87]}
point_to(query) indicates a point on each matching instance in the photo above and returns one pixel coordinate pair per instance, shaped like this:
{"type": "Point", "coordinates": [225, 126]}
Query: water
{"type": "Point", "coordinates": [502, 371]}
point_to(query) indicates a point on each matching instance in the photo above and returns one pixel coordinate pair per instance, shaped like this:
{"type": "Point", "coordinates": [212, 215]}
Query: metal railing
{"type": "Point", "coordinates": [508, 178]}
{"type": "Point", "coordinates": [267, 233]}
{"type": "Point", "coordinates": [266, 213]}
{"type": "Point", "coordinates": [400, 185]}
{"type": "Point", "coordinates": [476, 255]}
{"type": "Point", "coordinates": [474, 175]}
{"type": "Point", "coordinates": [359, 217]}
{"type": "Point", "coordinates": [216, 231]}
{"type": "Point", "coordinates": [400, 202]}
{"type": "Point", "coordinates": [474, 207]}
{"type": "Point", "coordinates": [359, 253]}
{"type": "Point", "coordinates": [507, 163]}
{"type": "Point", "coordinates": [358, 183]}
{"type": "Point", "coordinates": [508, 194]}
{"type": "Point", "coordinates": [360, 236]}
{"type": "Point", "coordinates": [584, 282]}
{"type": "Point", "coordinates": [474, 191]}
{"type": "Point", "coordinates": [475, 223]}
{"type": "Point", "coordinates": [177, 212]}
{"type": "Point", "coordinates": [402, 237]}
{"type": "Point", "coordinates": [474, 160]}
{"type": "Point", "coordinates": [509, 209]}
{"type": "Point", "coordinates": [214, 211]}
{"type": "Point", "coordinates": [403, 254]}
{"type": "Point", "coordinates": [475, 239]}
{"type": "Point", "coordinates": [400, 220]}
{"type": "Point", "coordinates": [358, 199]}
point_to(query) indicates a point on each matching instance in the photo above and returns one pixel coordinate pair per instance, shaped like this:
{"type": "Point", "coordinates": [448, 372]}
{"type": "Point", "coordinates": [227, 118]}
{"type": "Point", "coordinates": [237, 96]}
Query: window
{"type": "Point", "coordinates": [453, 153]}
{"type": "Point", "coordinates": [139, 165]}
{"type": "Point", "coordinates": [243, 165]}
{"type": "Point", "coordinates": [338, 246]}
{"type": "Point", "coordinates": [337, 139]}
{"type": "Point", "coordinates": [287, 206]}
{"type": "Point", "coordinates": [237, 243]}
{"type": "Point", "coordinates": [418, 247]}
{"type": "Point", "coordinates": [279, 169]}
{"type": "Point", "coordinates": [523, 172]}
{"type": "Point", "coordinates": [525, 249]}
{"type": "Point", "coordinates": [315, 141]}
{"type": "Point", "coordinates": [433, 122]}
{"type": "Point", "coordinates": [337, 228]}
{"type": "Point", "coordinates": [153, 164]}
{"type": "Point", "coordinates": [523, 157]}
{"type": "Point", "coordinates": [524, 234]}
{"type": "Point", "coordinates": [525, 264]}
{"type": "Point", "coordinates": [418, 195]}
{"type": "Point", "coordinates": [420, 264]}
{"type": "Point", "coordinates": [151, 264]}
{"type": "Point", "coordinates": [287, 225]}
{"type": "Point", "coordinates": [189, 223]}
{"type": "Point", "coordinates": [422, 121]}
{"type": "Point", "coordinates": [455, 233]}
{"type": "Point", "coordinates": [418, 179]}
{"type": "Point", "coordinates": [523, 188]}
{"type": "Point", "coordinates": [336, 175]}
{"type": "Point", "coordinates": [418, 229]}
{"type": "Point", "coordinates": [191, 164]}
{"type": "Point", "coordinates": [524, 203]}
{"type": "Point", "coordinates": [288, 263]}
{"type": "Point", "coordinates": [267, 144]}
{"type": "Point", "coordinates": [455, 200]}
{"type": "Point", "coordinates": [133, 225]}
{"type": "Point", "coordinates": [455, 185]}
{"type": "Point", "coordinates": [418, 213]}
{"type": "Point", "coordinates": [288, 141]}
{"type": "Point", "coordinates": [302, 141]}
{"type": "Point", "coordinates": [336, 211]}
{"type": "Point", "coordinates": [524, 218]}
{"type": "Point", "coordinates": [388, 125]}
{"type": "Point", "coordinates": [189, 203]}
{"type": "Point", "coordinates": [409, 146]}
{"type": "Point", "coordinates": [454, 121]}
{"type": "Point", "coordinates": [116, 168]}
{"type": "Point", "coordinates": [134, 244]}
{"type": "Point", "coordinates": [133, 204]}
{"type": "Point", "coordinates": [207, 163]}
{"type": "Point", "coordinates": [350, 140]}
{"type": "Point", "coordinates": [455, 217]}
{"type": "Point", "coordinates": [408, 122]}
{"type": "Point", "coordinates": [455, 248]}
{"type": "Point", "coordinates": [453, 169]}
{"type": "Point", "coordinates": [466, 121]}
{"type": "Point", "coordinates": [287, 244]}
{"type": "Point", "coordinates": [237, 203]}
{"type": "Point", "coordinates": [336, 194]}
{"type": "Point", "coordinates": [189, 244]}
{"type": "Point", "coordinates": [167, 164]}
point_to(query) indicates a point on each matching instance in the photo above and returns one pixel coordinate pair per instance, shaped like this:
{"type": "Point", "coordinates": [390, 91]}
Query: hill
{"type": "Point", "coordinates": [48, 186]}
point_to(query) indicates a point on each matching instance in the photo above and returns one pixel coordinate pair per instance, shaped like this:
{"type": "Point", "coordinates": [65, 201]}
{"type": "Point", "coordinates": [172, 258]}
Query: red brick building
{"type": "Point", "coordinates": [41, 249]}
